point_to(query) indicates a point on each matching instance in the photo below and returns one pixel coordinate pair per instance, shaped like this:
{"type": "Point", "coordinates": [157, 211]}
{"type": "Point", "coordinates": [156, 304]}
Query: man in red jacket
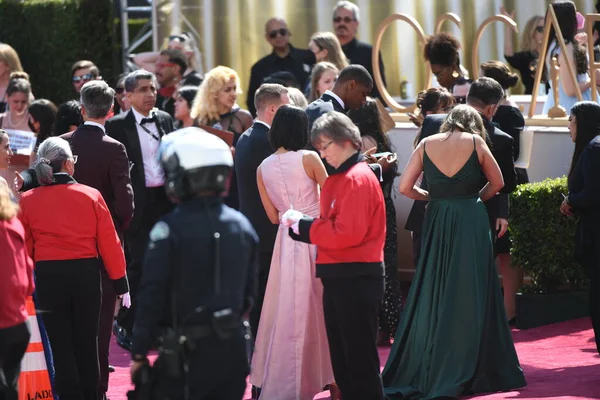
{"type": "Point", "coordinates": [350, 236]}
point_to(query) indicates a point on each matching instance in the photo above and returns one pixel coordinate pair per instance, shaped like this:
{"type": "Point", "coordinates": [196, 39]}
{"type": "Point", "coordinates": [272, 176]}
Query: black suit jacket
{"type": "Point", "coordinates": [251, 149]}
{"type": "Point", "coordinates": [123, 128]}
{"type": "Point", "coordinates": [501, 146]}
{"type": "Point", "coordinates": [321, 106]}
{"type": "Point", "coordinates": [102, 164]}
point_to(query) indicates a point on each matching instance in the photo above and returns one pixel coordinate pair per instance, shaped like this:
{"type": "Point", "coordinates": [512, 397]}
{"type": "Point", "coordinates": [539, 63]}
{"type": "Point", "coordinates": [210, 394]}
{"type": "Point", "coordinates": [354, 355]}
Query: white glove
{"type": "Point", "coordinates": [296, 227]}
{"type": "Point", "coordinates": [291, 217]}
{"type": "Point", "coordinates": [126, 300]}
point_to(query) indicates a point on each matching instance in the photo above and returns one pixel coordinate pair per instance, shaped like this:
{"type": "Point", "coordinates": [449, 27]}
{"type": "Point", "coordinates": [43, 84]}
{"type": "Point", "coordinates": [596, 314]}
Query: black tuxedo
{"type": "Point", "coordinates": [321, 106]}
{"type": "Point", "coordinates": [501, 146]}
{"type": "Point", "coordinates": [250, 151]}
{"type": "Point", "coordinates": [150, 203]}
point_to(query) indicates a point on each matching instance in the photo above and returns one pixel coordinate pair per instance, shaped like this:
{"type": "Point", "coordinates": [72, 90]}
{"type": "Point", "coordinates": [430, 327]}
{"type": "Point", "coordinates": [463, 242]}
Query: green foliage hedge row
{"type": "Point", "coordinates": [50, 35]}
{"type": "Point", "coordinates": [543, 238]}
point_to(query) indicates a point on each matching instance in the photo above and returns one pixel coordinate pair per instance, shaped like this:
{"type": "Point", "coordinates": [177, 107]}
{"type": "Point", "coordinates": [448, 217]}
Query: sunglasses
{"type": "Point", "coordinates": [539, 29]}
{"type": "Point", "coordinates": [119, 90]}
{"type": "Point", "coordinates": [86, 77]}
{"type": "Point", "coordinates": [347, 20]}
{"type": "Point", "coordinates": [281, 31]}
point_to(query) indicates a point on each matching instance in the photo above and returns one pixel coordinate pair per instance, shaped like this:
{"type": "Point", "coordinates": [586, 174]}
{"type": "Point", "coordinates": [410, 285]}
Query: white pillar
{"type": "Point", "coordinates": [209, 51]}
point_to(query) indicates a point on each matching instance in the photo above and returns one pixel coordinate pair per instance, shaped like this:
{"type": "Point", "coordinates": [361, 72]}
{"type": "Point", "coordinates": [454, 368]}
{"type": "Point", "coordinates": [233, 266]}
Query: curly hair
{"type": "Point", "coordinates": [205, 107]}
{"type": "Point", "coordinates": [442, 49]}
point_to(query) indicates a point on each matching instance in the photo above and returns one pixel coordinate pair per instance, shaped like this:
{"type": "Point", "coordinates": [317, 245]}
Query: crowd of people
{"type": "Point", "coordinates": [263, 242]}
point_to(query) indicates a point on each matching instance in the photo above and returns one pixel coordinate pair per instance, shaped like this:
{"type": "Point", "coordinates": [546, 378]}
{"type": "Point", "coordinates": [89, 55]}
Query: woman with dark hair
{"type": "Point", "coordinates": [511, 121]}
{"type": "Point", "coordinates": [184, 99]}
{"type": "Point", "coordinates": [441, 51]}
{"type": "Point", "coordinates": [68, 228]}
{"type": "Point", "coordinates": [68, 118]}
{"type": "Point", "coordinates": [584, 198]}
{"type": "Point", "coordinates": [291, 359]}
{"type": "Point", "coordinates": [369, 124]}
{"type": "Point", "coordinates": [566, 14]}
{"type": "Point", "coordinates": [435, 100]}
{"type": "Point", "coordinates": [42, 114]}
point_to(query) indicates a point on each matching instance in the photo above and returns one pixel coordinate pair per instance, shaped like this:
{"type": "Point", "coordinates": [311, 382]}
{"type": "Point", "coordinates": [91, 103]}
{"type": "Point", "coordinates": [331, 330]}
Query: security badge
{"type": "Point", "coordinates": [159, 232]}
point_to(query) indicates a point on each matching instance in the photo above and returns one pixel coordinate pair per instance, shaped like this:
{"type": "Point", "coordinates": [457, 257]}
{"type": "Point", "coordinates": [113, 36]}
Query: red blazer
{"type": "Point", "coordinates": [67, 221]}
{"type": "Point", "coordinates": [16, 270]}
{"type": "Point", "coordinates": [350, 232]}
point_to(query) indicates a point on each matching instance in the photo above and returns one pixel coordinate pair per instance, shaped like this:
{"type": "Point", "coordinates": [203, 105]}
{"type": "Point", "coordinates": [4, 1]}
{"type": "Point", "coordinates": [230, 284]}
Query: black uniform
{"type": "Point", "coordinates": [180, 263]}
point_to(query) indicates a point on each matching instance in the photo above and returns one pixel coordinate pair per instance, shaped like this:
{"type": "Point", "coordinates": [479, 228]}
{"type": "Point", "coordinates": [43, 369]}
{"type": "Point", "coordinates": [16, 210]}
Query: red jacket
{"type": "Point", "coordinates": [68, 221]}
{"type": "Point", "coordinates": [350, 232]}
{"type": "Point", "coordinates": [16, 270]}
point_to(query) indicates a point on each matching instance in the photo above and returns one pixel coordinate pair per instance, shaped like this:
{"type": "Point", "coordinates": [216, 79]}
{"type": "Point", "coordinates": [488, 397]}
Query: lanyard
{"type": "Point", "coordinates": [149, 133]}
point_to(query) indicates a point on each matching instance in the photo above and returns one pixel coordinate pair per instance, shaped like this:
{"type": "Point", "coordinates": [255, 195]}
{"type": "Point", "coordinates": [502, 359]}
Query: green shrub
{"type": "Point", "coordinates": [543, 238]}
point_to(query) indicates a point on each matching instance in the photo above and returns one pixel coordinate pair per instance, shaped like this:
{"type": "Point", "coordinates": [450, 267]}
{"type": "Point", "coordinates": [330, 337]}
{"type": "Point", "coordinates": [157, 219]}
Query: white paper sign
{"type": "Point", "coordinates": [21, 142]}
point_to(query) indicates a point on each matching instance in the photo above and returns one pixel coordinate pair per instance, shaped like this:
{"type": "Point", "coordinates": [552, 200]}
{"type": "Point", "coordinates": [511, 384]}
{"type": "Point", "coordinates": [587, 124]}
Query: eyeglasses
{"type": "Point", "coordinates": [281, 31]}
{"type": "Point", "coordinates": [119, 90]}
{"type": "Point", "coordinates": [539, 29]}
{"type": "Point", "coordinates": [74, 159]}
{"type": "Point", "coordinates": [86, 77]}
{"type": "Point", "coordinates": [326, 146]}
{"type": "Point", "coordinates": [347, 20]}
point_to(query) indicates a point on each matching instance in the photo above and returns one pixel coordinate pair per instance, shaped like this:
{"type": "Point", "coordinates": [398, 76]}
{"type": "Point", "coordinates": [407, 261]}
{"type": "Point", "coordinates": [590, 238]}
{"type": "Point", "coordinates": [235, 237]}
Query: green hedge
{"type": "Point", "coordinates": [50, 35]}
{"type": "Point", "coordinates": [542, 238]}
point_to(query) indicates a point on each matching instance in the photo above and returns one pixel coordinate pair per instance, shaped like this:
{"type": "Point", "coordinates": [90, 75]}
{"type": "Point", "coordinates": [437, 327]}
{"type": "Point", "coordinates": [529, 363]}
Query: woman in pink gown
{"type": "Point", "coordinates": [291, 359]}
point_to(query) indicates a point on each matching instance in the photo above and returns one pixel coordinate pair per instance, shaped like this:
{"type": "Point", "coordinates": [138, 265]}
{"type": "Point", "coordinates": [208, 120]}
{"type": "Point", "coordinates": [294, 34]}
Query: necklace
{"type": "Point", "coordinates": [25, 115]}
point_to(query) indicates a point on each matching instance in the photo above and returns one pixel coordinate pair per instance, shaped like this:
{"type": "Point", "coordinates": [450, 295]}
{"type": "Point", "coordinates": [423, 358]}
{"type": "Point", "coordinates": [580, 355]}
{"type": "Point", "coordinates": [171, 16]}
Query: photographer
{"type": "Point", "coordinates": [199, 278]}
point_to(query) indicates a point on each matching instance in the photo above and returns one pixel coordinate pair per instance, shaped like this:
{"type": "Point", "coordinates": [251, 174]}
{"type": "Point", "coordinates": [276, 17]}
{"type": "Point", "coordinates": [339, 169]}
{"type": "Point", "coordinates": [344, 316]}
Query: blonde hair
{"type": "Point", "coordinates": [464, 118]}
{"type": "Point", "coordinates": [9, 56]}
{"type": "Point", "coordinates": [297, 97]}
{"type": "Point", "coordinates": [205, 107]}
{"type": "Point", "coordinates": [8, 208]}
{"type": "Point", "coordinates": [527, 43]}
{"type": "Point", "coordinates": [335, 55]}
{"type": "Point", "coordinates": [316, 74]}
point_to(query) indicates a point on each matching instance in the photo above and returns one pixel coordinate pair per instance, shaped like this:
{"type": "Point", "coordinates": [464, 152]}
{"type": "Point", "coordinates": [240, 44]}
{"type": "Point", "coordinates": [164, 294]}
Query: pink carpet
{"type": "Point", "coordinates": [560, 362]}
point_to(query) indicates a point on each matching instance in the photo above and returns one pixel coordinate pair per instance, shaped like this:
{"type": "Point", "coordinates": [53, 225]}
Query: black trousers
{"type": "Point", "coordinates": [263, 275]}
{"type": "Point", "coordinates": [13, 343]}
{"type": "Point", "coordinates": [590, 260]}
{"type": "Point", "coordinates": [69, 297]}
{"type": "Point", "coordinates": [107, 312]}
{"type": "Point", "coordinates": [157, 204]}
{"type": "Point", "coordinates": [351, 308]}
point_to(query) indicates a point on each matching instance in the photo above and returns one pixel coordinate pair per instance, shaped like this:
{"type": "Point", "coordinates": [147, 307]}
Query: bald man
{"type": "Point", "coordinates": [283, 58]}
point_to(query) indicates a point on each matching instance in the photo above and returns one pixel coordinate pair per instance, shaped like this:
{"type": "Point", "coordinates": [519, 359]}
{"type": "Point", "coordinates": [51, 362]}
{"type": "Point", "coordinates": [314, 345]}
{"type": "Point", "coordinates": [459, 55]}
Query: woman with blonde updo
{"type": "Point", "coordinates": [215, 104]}
{"type": "Point", "coordinates": [9, 63]}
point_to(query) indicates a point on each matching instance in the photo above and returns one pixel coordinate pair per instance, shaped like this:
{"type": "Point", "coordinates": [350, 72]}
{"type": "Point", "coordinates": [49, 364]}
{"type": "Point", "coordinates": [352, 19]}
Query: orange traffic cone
{"type": "Point", "coordinates": [34, 381]}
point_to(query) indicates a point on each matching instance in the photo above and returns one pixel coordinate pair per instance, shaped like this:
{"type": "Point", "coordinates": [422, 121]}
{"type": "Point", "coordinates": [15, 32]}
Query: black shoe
{"type": "Point", "coordinates": [255, 392]}
{"type": "Point", "coordinates": [122, 336]}
{"type": "Point", "coordinates": [512, 321]}
{"type": "Point", "coordinates": [111, 368]}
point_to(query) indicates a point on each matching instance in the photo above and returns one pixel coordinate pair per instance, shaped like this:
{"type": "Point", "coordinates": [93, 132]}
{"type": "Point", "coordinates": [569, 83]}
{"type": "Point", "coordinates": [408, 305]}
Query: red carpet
{"type": "Point", "coordinates": [560, 362]}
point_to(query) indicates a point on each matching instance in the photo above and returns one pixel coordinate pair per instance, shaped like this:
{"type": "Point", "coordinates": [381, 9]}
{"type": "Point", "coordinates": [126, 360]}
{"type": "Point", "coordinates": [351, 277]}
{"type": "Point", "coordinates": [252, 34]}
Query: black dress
{"type": "Point", "coordinates": [526, 63]}
{"type": "Point", "coordinates": [511, 121]}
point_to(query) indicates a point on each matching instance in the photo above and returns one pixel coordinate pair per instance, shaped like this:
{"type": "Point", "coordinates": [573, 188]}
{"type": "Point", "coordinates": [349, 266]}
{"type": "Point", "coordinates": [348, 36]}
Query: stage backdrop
{"type": "Point", "coordinates": [231, 32]}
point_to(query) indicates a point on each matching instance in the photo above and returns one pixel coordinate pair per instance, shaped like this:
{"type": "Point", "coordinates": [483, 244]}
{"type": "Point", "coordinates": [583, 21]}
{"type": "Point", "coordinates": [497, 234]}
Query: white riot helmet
{"type": "Point", "coordinates": [195, 161]}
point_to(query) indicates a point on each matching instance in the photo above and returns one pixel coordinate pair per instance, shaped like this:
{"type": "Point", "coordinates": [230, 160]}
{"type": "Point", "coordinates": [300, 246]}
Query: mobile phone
{"type": "Point", "coordinates": [379, 155]}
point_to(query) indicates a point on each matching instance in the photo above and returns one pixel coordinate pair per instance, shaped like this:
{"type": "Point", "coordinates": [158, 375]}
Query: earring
{"type": "Point", "coordinates": [455, 74]}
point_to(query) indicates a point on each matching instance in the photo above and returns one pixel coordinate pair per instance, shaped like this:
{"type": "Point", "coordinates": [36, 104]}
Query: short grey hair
{"type": "Point", "coordinates": [51, 155]}
{"type": "Point", "coordinates": [336, 126]}
{"type": "Point", "coordinates": [348, 6]}
{"type": "Point", "coordinates": [97, 98]}
{"type": "Point", "coordinates": [132, 79]}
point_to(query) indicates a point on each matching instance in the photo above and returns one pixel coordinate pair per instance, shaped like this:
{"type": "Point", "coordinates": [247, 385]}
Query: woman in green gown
{"type": "Point", "coordinates": [453, 337]}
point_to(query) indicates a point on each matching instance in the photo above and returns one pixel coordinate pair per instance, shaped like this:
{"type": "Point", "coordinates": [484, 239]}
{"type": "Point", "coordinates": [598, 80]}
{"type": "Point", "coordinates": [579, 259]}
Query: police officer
{"type": "Point", "coordinates": [198, 280]}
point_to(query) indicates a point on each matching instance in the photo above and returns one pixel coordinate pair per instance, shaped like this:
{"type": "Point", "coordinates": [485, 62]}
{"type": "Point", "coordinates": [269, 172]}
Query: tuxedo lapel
{"type": "Point", "coordinates": [159, 125]}
{"type": "Point", "coordinates": [133, 140]}
{"type": "Point", "coordinates": [336, 105]}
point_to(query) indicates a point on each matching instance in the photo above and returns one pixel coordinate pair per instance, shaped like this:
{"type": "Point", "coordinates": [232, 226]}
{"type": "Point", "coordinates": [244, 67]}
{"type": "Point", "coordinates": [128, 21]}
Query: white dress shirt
{"type": "Point", "coordinates": [153, 172]}
{"type": "Point", "coordinates": [92, 123]}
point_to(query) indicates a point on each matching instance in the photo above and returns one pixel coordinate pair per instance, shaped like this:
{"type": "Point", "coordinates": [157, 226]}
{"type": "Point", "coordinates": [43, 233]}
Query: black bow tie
{"type": "Point", "coordinates": [152, 119]}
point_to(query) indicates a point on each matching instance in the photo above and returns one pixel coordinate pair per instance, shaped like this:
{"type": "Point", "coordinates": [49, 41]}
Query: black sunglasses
{"type": "Point", "coordinates": [347, 20]}
{"type": "Point", "coordinates": [86, 77]}
{"type": "Point", "coordinates": [281, 31]}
